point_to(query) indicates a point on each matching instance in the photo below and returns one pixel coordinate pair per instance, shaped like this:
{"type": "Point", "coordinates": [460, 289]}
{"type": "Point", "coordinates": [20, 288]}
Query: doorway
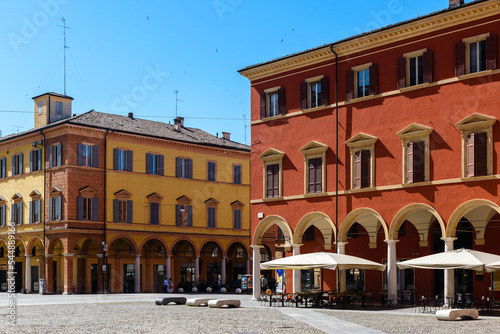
{"type": "Point", "coordinates": [128, 278]}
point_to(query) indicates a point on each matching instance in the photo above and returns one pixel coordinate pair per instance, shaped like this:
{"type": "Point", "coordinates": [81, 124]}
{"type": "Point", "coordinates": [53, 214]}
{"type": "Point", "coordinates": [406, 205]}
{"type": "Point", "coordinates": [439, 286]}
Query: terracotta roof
{"type": "Point", "coordinates": [142, 127]}
{"type": "Point", "coordinates": [53, 94]}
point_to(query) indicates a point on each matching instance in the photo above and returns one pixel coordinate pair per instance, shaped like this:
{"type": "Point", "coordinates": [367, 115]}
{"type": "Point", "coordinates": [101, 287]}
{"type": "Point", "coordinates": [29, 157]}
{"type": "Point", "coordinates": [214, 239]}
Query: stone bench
{"type": "Point", "coordinates": [218, 303]}
{"type": "Point", "coordinates": [168, 300]}
{"type": "Point", "coordinates": [198, 301]}
{"type": "Point", "coordinates": [453, 314]}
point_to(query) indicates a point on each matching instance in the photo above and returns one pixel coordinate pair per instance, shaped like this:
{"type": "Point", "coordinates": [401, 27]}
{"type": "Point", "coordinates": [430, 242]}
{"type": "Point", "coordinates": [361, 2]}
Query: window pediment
{"type": "Point", "coordinates": [271, 155]}
{"type": "Point", "coordinates": [361, 140]}
{"type": "Point", "coordinates": [154, 196]}
{"type": "Point", "coordinates": [87, 192]}
{"type": "Point", "coordinates": [2, 200]}
{"type": "Point", "coordinates": [475, 122]}
{"type": "Point", "coordinates": [184, 200]}
{"type": "Point", "coordinates": [314, 147]}
{"type": "Point", "coordinates": [17, 196]}
{"type": "Point", "coordinates": [211, 201]}
{"type": "Point", "coordinates": [237, 204]}
{"type": "Point", "coordinates": [414, 130]}
{"type": "Point", "coordinates": [55, 192]}
{"type": "Point", "coordinates": [35, 195]}
{"type": "Point", "coordinates": [123, 194]}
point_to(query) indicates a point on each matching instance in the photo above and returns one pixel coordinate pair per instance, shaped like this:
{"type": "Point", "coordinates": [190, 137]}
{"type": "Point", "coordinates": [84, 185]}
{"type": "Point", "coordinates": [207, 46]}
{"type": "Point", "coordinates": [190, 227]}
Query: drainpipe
{"type": "Point", "coordinates": [44, 203]}
{"type": "Point", "coordinates": [336, 158]}
{"type": "Point", "coordinates": [104, 257]}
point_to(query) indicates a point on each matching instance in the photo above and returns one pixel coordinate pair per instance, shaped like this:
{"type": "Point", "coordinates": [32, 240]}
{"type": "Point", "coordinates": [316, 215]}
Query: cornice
{"type": "Point", "coordinates": [376, 39]}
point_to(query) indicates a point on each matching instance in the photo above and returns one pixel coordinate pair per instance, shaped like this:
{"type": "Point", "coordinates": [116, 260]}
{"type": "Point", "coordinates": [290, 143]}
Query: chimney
{"type": "Point", "coordinates": [178, 123]}
{"type": "Point", "coordinates": [130, 115]}
{"type": "Point", "coordinates": [456, 3]}
{"type": "Point", "coordinates": [226, 135]}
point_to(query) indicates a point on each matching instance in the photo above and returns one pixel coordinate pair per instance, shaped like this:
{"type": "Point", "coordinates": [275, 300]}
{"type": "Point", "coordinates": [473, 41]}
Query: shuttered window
{"type": "Point", "coordinates": [184, 168]}
{"type": "Point", "coordinates": [17, 164]}
{"type": "Point", "coordinates": [155, 164]}
{"type": "Point", "coordinates": [314, 94]}
{"type": "Point", "coordinates": [272, 103]}
{"type": "Point", "coordinates": [55, 155]}
{"type": "Point", "coordinates": [55, 208]}
{"type": "Point", "coordinates": [122, 211]}
{"type": "Point", "coordinates": [88, 208]}
{"type": "Point", "coordinates": [88, 155]}
{"type": "Point", "coordinates": [3, 168]}
{"type": "Point", "coordinates": [237, 219]}
{"type": "Point", "coordinates": [183, 215]}
{"type": "Point", "coordinates": [36, 160]}
{"type": "Point", "coordinates": [17, 213]}
{"type": "Point", "coordinates": [154, 213]}
{"type": "Point", "coordinates": [315, 175]}
{"type": "Point", "coordinates": [362, 169]}
{"type": "Point", "coordinates": [123, 160]}
{"type": "Point", "coordinates": [211, 169]}
{"type": "Point", "coordinates": [211, 217]}
{"type": "Point", "coordinates": [477, 55]}
{"type": "Point", "coordinates": [35, 213]}
{"type": "Point", "coordinates": [415, 152]}
{"type": "Point", "coordinates": [477, 154]}
{"type": "Point", "coordinates": [272, 180]}
{"type": "Point", "coordinates": [237, 174]}
{"type": "Point", "coordinates": [3, 222]}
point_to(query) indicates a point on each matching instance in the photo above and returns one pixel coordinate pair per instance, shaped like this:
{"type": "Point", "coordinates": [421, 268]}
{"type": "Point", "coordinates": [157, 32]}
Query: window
{"type": "Point", "coordinates": [362, 81]}
{"type": "Point", "coordinates": [314, 92]}
{"type": "Point", "coordinates": [314, 167]}
{"type": "Point", "coordinates": [55, 155]}
{"type": "Point", "coordinates": [123, 160]}
{"type": "Point", "coordinates": [40, 107]}
{"type": "Point", "coordinates": [237, 219]}
{"type": "Point", "coordinates": [415, 68]}
{"type": "Point", "coordinates": [272, 102]}
{"type": "Point", "coordinates": [3, 222]}
{"type": "Point", "coordinates": [88, 155]}
{"type": "Point", "coordinates": [122, 211]}
{"type": "Point", "coordinates": [476, 54]}
{"type": "Point", "coordinates": [211, 217]}
{"type": "Point", "coordinates": [271, 160]}
{"type": "Point", "coordinates": [184, 168]}
{"type": "Point", "coordinates": [17, 213]}
{"type": "Point", "coordinates": [59, 108]}
{"type": "Point", "coordinates": [272, 181]}
{"type": "Point", "coordinates": [314, 177]}
{"type": "Point", "coordinates": [154, 164]}
{"type": "Point", "coordinates": [211, 170]}
{"type": "Point", "coordinates": [237, 174]}
{"type": "Point", "coordinates": [88, 205]}
{"type": "Point", "coordinates": [35, 211]}
{"type": "Point", "coordinates": [55, 208]}
{"type": "Point", "coordinates": [36, 160]}
{"type": "Point", "coordinates": [362, 148]}
{"type": "Point", "coordinates": [477, 149]}
{"type": "Point", "coordinates": [17, 164]}
{"type": "Point", "coordinates": [184, 215]}
{"type": "Point", "coordinates": [154, 209]}
{"type": "Point", "coordinates": [154, 213]}
{"type": "Point", "coordinates": [3, 168]}
{"type": "Point", "coordinates": [416, 153]}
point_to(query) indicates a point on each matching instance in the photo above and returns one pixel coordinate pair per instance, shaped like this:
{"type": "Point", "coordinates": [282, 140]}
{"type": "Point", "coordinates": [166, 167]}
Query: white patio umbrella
{"type": "Point", "coordinates": [456, 259]}
{"type": "Point", "coordinates": [322, 260]}
{"type": "Point", "coordinates": [495, 266]}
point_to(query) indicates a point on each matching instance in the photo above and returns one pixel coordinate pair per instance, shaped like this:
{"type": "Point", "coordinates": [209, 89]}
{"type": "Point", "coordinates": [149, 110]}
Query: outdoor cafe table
{"type": "Point", "coordinates": [276, 294]}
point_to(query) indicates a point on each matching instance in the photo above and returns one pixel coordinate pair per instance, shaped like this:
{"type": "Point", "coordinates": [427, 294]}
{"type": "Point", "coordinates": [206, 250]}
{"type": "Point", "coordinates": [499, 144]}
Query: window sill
{"type": "Point", "coordinates": [475, 74]}
{"type": "Point", "coordinates": [308, 110]}
{"type": "Point", "coordinates": [271, 118]}
{"type": "Point", "coordinates": [416, 184]}
{"type": "Point", "coordinates": [360, 190]}
{"type": "Point", "coordinates": [273, 199]}
{"type": "Point", "coordinates": [361, 99]}
{"type": "Point", "coordinates": [478, 178]}
{"type": "Point", "coordinates": [308, 195]}
{"type": "Point", "coordinates": [415, 87]}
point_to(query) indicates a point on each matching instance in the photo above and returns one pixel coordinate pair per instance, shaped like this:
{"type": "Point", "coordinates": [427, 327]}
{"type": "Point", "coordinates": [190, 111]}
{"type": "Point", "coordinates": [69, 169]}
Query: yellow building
{"type": "Point", "coordinates": [127, 202]}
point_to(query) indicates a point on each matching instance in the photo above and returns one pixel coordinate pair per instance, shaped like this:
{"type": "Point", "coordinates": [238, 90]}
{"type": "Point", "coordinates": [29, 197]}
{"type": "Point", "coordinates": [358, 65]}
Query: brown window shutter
{"type": "Point", "coordinates": [373, 79]}
{"type": "Point", "coordinates": [491, 52]}
{"type": "Point", "coordinates": [263, 97]}
{"type": "Point", "coordinates": [460, 59]}
{"type": "Point", "coordinates": [409, 162]}
{"type": "Point", "coordinates": [470, 154]}
{"type": "Point", "coordinates": [349, 85]}
{"type": "Point", "coordinates": [480, 154]}
{"type": "Point", "coordinates": [325, 91]}
{"type": "Point", "coordinates": [311, 177]}
{"type": "Point", "coordinates": [303, 96]}
{"type": "Point", "coordinates": [357, 170]}
{"type": "Point", "coordinates": [428, 66]}
{"type": "Point", "coordinates": [281, 101]}
{"type": "Point", "coordinates": [365, 169]}
{"type": "Point", "coordinates": [401, 72]}
{"type": "Point", "coordinates": [269, 185]}
{"type": "Point", "coordinates": [419, 161]}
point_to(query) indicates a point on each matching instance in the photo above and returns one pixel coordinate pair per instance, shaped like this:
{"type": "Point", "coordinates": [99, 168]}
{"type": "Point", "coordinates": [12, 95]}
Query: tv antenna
{"type": "Point", "coordinates": [65, 47]}
{"type": "Point", "coordinates": [176, 100]}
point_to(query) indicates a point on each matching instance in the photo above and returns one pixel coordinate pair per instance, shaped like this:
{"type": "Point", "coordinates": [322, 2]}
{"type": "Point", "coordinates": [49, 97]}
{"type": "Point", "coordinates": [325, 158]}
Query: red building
{"type": "Point", "coordinates": [416, 168]}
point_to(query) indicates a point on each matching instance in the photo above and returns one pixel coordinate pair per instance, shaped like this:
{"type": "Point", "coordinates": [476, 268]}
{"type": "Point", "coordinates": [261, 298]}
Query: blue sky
{"type": "Point", "coordinates": [130, 56]}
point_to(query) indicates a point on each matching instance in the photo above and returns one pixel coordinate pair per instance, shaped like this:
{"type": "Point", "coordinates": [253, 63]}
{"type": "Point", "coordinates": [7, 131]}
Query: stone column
{"type": "Point", "coordinates": [137, 273]}
{"type": "Point", "coordinates": [449, 274]}
{"type": "Point", "coordinates": [223, 269]}
{"type": "Point", "coordinates": [256, 271]}
{"type": "Point", "coordinates": [392, 271]}
{"type": "Point", "coordinates": [248, 265]}
{"type": "Point", "coordinates": [27, 275]}
{"type": "Point", "coordinates": [81, 280]}
{"type": "Point", "coordinates": [68, 272]}
{"type": "Point", "coordinates": [341, 273]}
{"type": "Point", "coordinates": [196, 270]}
{"type": "Point", "coordinates": [167, 267]}
{"type": "Point", "coordinates": [296, 272]}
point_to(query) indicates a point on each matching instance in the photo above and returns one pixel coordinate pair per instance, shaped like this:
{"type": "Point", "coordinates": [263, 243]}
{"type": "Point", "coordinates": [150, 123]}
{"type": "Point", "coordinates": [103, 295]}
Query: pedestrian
{"type": "Point", "coordinates": [170, 285]}
{"type": "Point", "coordinates": [165, 285]}
{"type": "Point", "coordinates": [218, 284]}
{"type": "Point", "coordinates": [263, 284]}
